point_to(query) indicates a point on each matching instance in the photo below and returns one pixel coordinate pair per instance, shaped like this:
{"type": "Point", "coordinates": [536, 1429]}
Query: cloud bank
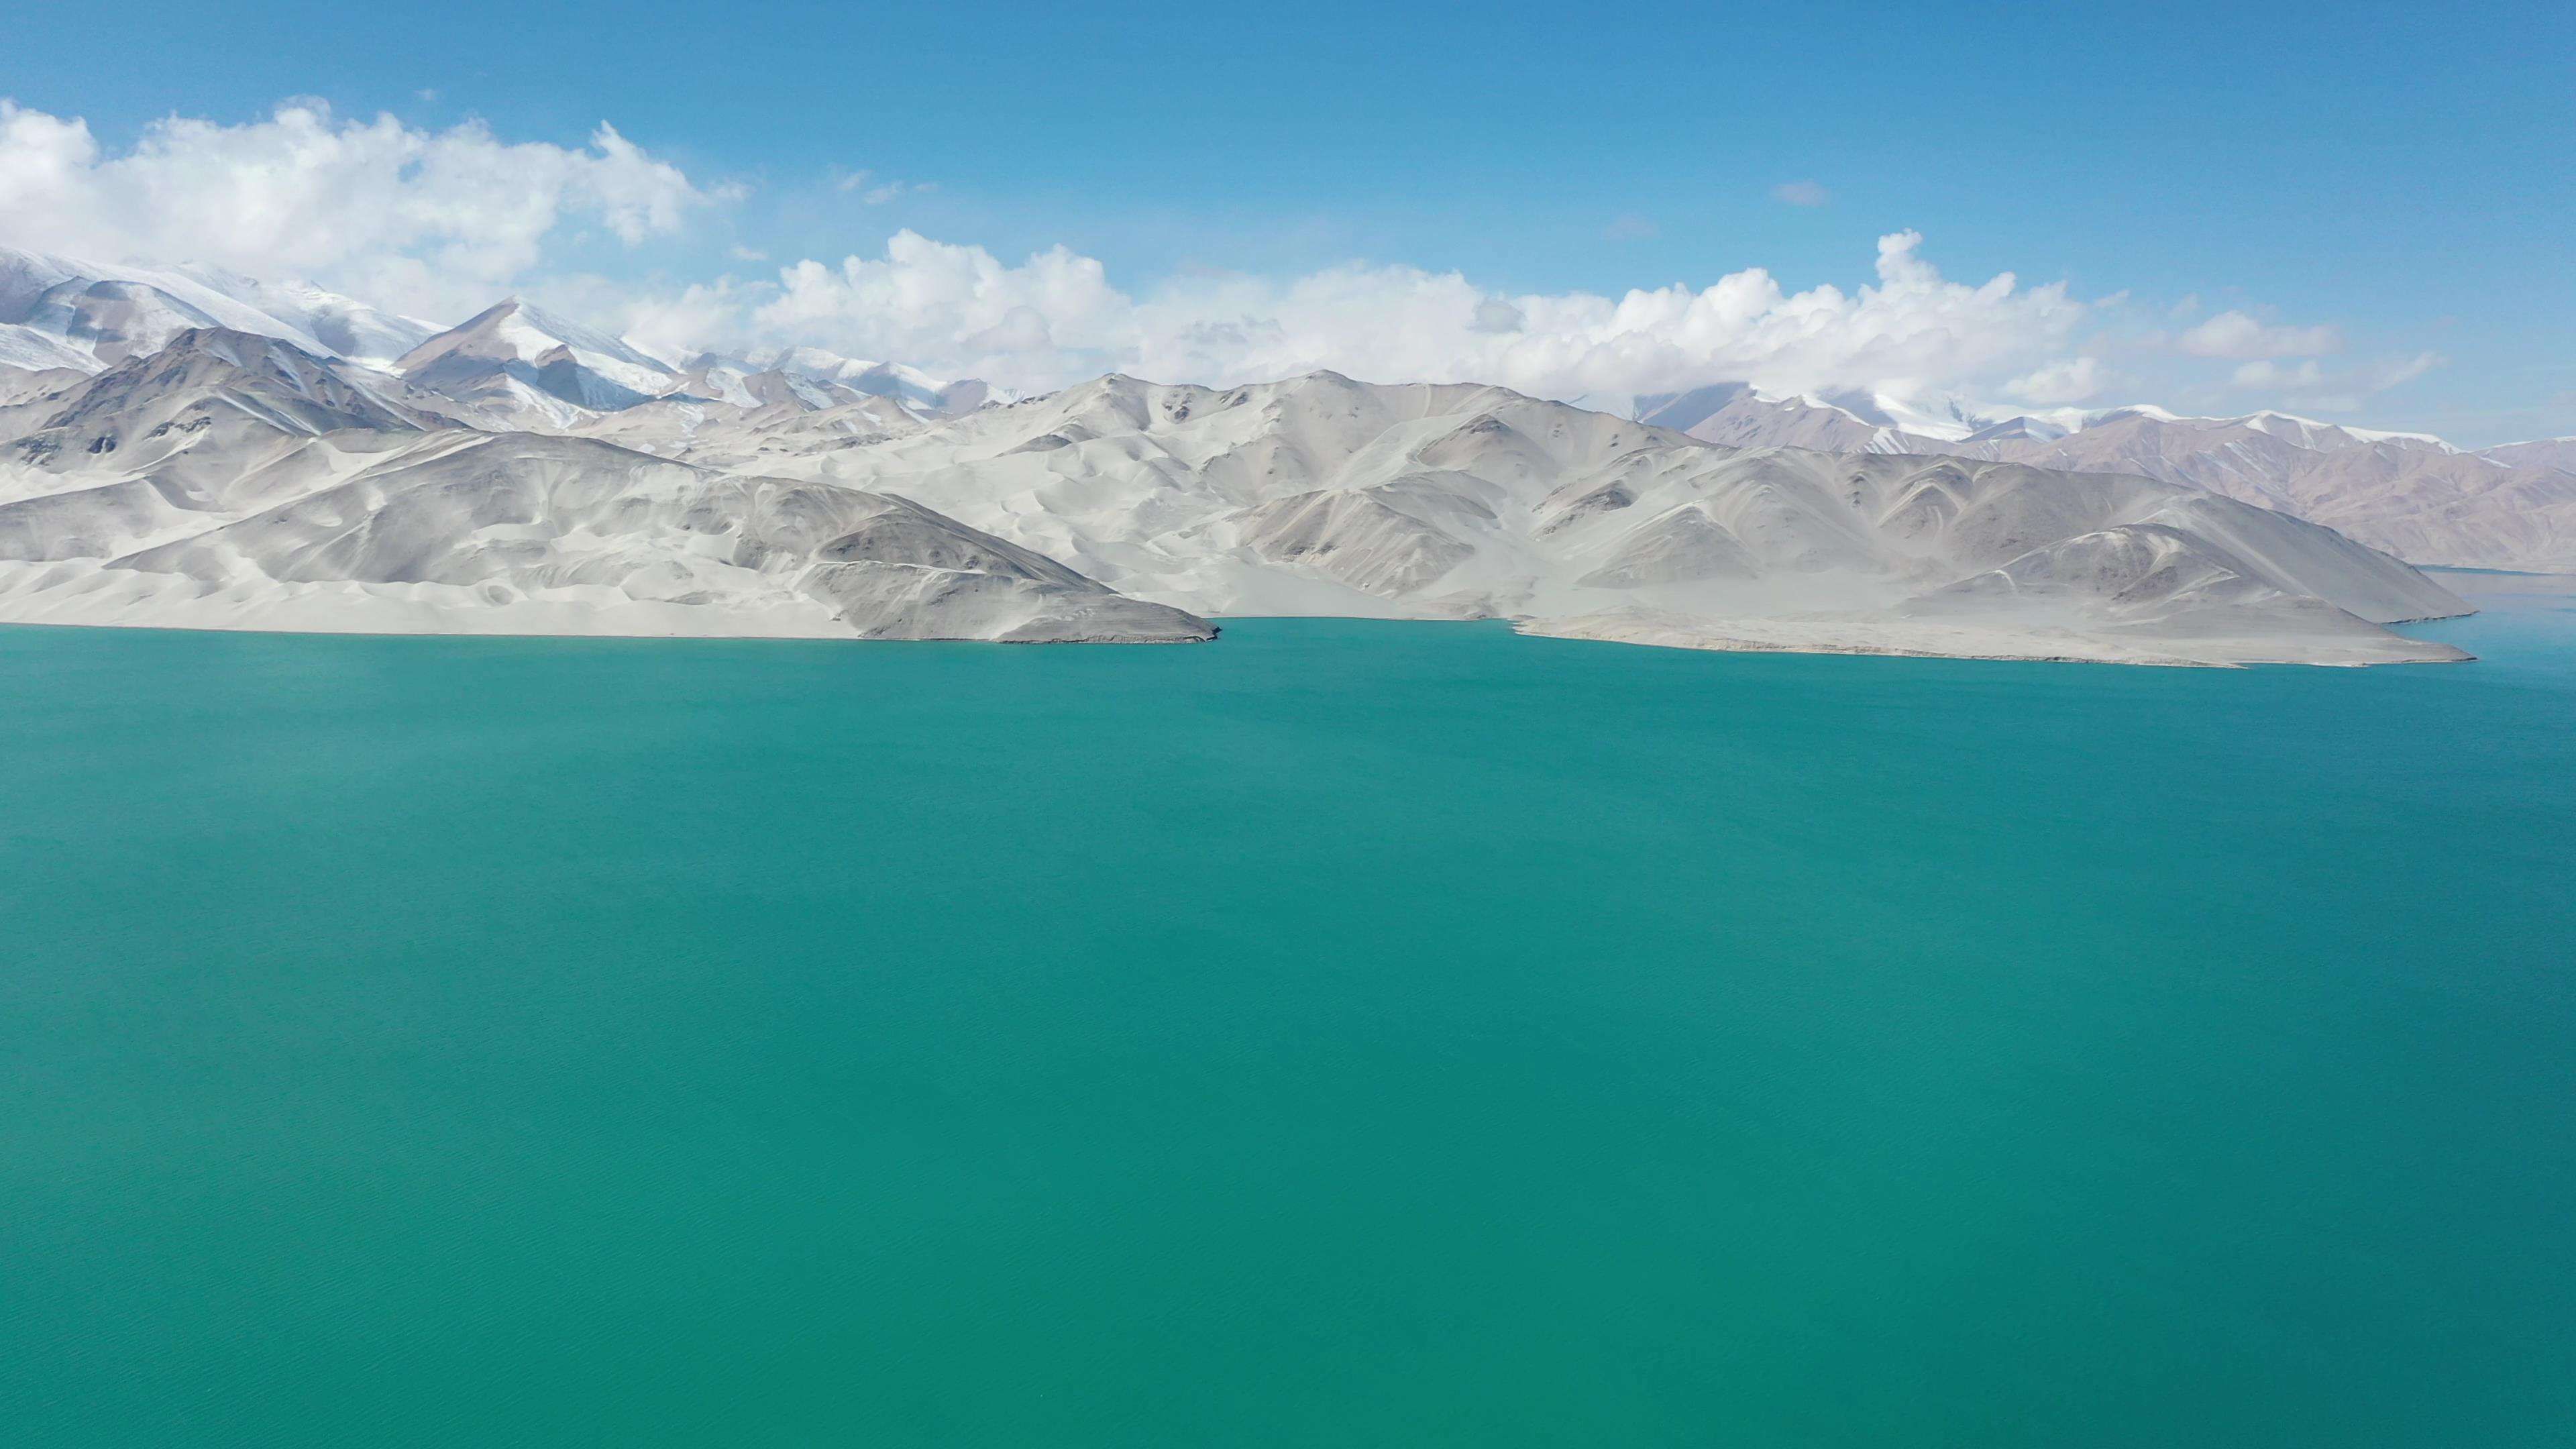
{"type": "Point", "coordinates": [428, 222]}
{"type": "Point", "coordinates": [1056, 318]}
{"type": "Point", "coordinates": [439, 223]}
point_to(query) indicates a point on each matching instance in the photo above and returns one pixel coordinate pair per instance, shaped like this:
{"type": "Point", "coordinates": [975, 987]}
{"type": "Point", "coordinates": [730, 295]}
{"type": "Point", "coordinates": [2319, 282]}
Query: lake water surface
{"type": "Point", "coordinates": [1345, 1034]}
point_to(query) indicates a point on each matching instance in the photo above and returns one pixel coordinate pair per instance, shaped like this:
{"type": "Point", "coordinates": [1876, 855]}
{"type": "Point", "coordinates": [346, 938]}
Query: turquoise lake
{"type": "Point", "coordinates": [1344, 1034]}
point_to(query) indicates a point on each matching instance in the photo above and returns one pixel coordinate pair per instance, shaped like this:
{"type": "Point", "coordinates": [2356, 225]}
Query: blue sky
{"type": "Point", "coordinates": [2403, 175]}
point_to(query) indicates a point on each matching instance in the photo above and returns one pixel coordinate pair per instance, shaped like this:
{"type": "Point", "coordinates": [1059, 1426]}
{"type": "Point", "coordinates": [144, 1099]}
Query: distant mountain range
{"type": "Point", "coordinates": [231, 479]}
{"type": "Point", "coordinates": [184, 446]}
{"type": "Point", "coordinates": [2509, 507]}
{"type": "Point", "coordinates": [514, 366]}
{"type": "Point", "coordinates": [59, 314]}
{"type": "Point", "coordinates": [511, 365]}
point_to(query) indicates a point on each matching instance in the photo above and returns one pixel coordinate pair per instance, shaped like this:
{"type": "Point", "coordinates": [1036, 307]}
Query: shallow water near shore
{"type": "Point", "coordinates": [1349, 1032]}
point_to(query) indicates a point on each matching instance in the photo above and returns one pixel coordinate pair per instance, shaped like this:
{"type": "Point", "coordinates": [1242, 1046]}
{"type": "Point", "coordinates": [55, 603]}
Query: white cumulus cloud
{"type": "Point", "coordinates": [2075, 380]}
{"type": "Point", "coordinates": [2264, 373]}
{"type": "Point", "coordinates": [434, 222]}
{"type": "Point", "coordinates": [1056, 318]}
{"type": "Point", "coordinates": [440, 223]}
{"type": "Point", "coordinates": [942, 305]}
{"type": "Point", "coordinates": [2311, 387]}
{"type": "Point", "coordinates": [2236, 335]}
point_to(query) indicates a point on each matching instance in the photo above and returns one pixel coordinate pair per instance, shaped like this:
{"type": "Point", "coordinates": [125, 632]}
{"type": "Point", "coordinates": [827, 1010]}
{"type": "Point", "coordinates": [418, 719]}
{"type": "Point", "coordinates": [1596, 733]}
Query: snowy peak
{"type": "Point", "coordinates": [32, 350]}
{"type": "Point", "coordinates": [512, 365]}
{"type": "Point", "coordinates": [515, 331]}
{"type": "Point", "coordinates": [746, 385]}
{"type": "Point", "coordinates": [111, 321]}
{"type": "Point", "coordinates": [1735, 415]}
{"type": "Point", "coordinates": [1683, 411]}
{"type": "Point", "coordinates": [525, 366]}
{"type": "Point", "coordinates": [2408, 493]}
{"type": "Point", "coordinates": [910, 386]}
{"type": "Point", "coordinates": [345, 328]}
{"type": "Point", "coordinates": [93, 315]}
{"type": "Point", "coordinates": [2018, 429]}
{"type": "Point", "coordinates": [214, 392]}
{"type": "Point", "coordinates": [280, 383]}
{"type": "Point", "coordinates": [521, 366]}
{"type": "Point", "coordinates": [815, 362]}
{"type": "Point", "coordinates": [2558, 454]}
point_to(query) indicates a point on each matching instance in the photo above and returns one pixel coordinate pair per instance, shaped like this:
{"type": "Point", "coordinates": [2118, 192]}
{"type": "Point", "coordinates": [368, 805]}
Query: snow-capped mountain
{"type": "Point", "coordinates": [2411, 494]}
{"type": "Point", "coordinates": [1737, 416]}
{"type": "Point", "coordinates": [908, 385]}
{"type": "Point", "coordinates": [1324, 495]}
{"type": "Point", "coordinates": [56, 312]}
{"type": "Point", "coordinates": [711, 378]}
{"type": "Point", "coordinates": [513, 365]}
{"type": "Point", "coordinates": [2558, 453]}
{"type": "Point", "coordinates": [516, 366]}
{"type": "Point", "coordinates": [521, 365]}
{"type": "Point", "coordinates": [231, 480]}
{"type": "Point", "coordinates": [141, 408]}
{"type": "Point", "coordinates": [26, 349]}
{"type": "Point", "coordinates": [350, 330]}
{"type": "Point", "coordinates": [237, 481]}
{"type": "Point", "coordinates": [210, 388]}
